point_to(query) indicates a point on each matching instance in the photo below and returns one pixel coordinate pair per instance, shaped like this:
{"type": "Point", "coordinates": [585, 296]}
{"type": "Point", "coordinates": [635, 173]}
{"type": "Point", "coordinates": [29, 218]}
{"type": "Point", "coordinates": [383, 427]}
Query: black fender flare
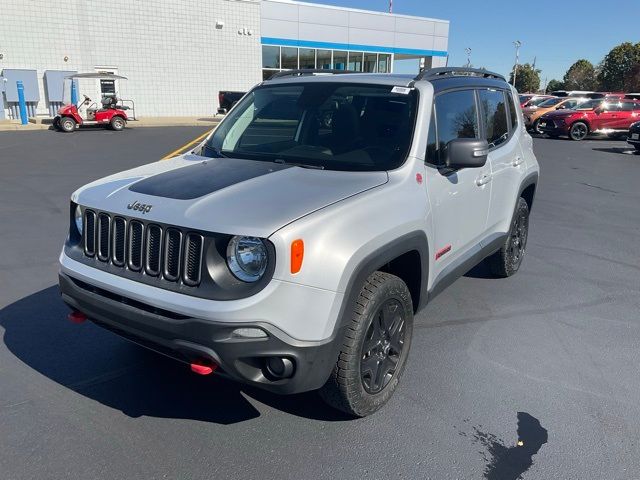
{"type": "Point", "coordinates": [530, 179]}
{"type": "Point", "coordinates": [416, 240]}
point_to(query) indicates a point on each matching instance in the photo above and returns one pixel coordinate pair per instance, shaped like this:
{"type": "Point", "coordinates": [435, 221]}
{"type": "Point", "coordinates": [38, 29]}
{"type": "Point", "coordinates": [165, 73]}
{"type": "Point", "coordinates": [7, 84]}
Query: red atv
{"type": "Point", "coordinates": [110, 114]}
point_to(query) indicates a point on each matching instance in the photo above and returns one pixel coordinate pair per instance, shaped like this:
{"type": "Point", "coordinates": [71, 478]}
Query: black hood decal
{"type": "Point", "coordinates": [203, 178]}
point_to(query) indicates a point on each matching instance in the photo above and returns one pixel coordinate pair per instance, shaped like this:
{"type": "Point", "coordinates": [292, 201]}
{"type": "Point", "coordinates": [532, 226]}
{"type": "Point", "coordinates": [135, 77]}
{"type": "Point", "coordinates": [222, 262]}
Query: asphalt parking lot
{"type": "Point", "coordinates": [559, 342]}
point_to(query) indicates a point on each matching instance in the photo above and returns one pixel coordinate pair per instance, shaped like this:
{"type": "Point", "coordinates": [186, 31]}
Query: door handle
{"type": "Point", "coordinates": [483, 180]}
{"type": "Point", "coordinates": [517, 161]}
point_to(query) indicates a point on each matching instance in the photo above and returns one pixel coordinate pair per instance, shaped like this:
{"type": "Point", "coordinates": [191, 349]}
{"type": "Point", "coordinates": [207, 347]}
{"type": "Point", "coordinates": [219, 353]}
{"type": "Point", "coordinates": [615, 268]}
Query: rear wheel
{"type": "Point", "coordinates": [578, 131]}
{"type": "Point", "coordinates": [506, 261]}
{"type": "Point", "coordinates": [67, 124]}
{"type": "Point", "coordinates": [117, 123]}
{"type": "Point", "coordinates": [374, 349]}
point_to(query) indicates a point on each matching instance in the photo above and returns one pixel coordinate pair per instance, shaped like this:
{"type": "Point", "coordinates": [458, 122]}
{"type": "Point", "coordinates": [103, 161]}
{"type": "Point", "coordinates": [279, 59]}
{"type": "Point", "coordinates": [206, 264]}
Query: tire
{"type": "Point", "coordinates": [374, 350]}
{"type": "Point", "coordinates": [536, 127]}
{"type": "Point", "coordinates": [506, 261]}
{"type": "Point", "coordinates": [578, 131]}
{"type": "Point", "coordinates": [117, 124]}
{"type": "Point", "coordinates": [67, 124]}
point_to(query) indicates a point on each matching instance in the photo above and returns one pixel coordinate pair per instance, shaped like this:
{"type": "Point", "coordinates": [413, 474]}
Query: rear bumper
{"type": "Point", "coordinates": [195, 340]}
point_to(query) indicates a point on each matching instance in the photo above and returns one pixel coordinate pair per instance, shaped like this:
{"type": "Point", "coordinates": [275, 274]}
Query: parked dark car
{"type": "Point", "coordinates": [634, 136]}
{"type": "Point", "coordinates": [226, 100]}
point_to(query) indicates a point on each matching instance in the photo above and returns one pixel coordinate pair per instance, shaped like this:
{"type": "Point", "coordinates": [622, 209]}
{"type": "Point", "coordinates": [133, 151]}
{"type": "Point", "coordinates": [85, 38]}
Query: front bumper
{"type": "Point", "coordinates": [553, 128]}
{"type": "Point", "coordinates": [196, 340]}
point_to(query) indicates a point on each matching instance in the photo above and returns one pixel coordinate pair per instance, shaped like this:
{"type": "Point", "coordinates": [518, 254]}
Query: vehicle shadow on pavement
{"type": "Point", "coordinates": [622, 150]}
{"type": "Point", "coordinates": [100, 365]}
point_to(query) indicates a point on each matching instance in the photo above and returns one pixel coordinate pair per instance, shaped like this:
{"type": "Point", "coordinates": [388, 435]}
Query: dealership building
{"type": "Point", "coordinates": [178, 54]}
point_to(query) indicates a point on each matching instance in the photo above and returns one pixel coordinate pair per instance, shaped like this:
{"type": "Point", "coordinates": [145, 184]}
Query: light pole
{"type": "Point", "coordinates": [468, 51]}
{"type": "Point", "coordinates": [518, 44]}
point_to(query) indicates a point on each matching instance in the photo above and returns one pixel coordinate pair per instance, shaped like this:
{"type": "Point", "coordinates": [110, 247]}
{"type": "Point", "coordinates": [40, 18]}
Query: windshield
{"type": "Point", "coordinates": [330, 125]}
{"type": "Point", "coordinates": [550, 102]}
{"type": "Point", "coordinates": [589, 104]}
{"type": "Point", "coordinates": [524, 98]}
{"type": "Point", "coordinates": [536, 101]}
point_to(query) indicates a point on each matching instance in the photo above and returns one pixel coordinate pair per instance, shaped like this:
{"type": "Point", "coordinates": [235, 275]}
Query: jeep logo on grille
{"type": "Point", "coordinates": [141, 207]}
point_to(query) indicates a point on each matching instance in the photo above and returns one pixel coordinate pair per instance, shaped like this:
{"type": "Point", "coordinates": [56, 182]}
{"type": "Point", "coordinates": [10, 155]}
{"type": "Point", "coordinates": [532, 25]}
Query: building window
{"type": "Point", "coordinates": [324, 59]}
{"type": "Point", "coordinates": [355, 61]}
{"type": "Point", "coordinates": [270, 57]}
{"type": "Point", "coordinates": [370, 62]}
{"type": "Point", "coordinates": [307, 58]}
{"type": "Point", "coordinates": [339, 60]}
{"type": "Point", "coordinates": [384, 63]}
{"type": "Point", "coordinates": [289, 58]}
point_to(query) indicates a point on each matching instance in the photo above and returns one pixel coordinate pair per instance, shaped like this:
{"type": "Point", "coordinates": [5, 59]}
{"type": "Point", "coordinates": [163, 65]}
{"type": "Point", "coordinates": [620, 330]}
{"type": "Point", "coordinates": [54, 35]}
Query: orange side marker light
{"type": "Point", "coordinates": [297, 255]}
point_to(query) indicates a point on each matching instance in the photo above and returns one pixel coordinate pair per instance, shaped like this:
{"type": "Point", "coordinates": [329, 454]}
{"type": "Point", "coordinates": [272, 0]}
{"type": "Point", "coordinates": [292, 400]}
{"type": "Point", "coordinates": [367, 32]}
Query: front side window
{"type": "Point", "coordinates": [512, 110]}
{"type": "Point", "coordinates": [456, 116]}
{"type": "Point", "coordinates": [494, 114]}
{"type": "Point", "coordinates": [330, 125]}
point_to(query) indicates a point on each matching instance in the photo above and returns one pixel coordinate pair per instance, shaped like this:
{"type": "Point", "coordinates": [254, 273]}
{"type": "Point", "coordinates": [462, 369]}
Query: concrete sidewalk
{"type": "Point", "coordinates": [42, 123]}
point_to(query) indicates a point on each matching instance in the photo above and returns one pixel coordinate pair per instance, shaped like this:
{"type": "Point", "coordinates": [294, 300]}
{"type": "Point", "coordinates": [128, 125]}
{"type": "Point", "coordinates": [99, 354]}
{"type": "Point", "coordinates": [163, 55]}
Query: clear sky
{"type": "Point", "coordinates": [556, 32]}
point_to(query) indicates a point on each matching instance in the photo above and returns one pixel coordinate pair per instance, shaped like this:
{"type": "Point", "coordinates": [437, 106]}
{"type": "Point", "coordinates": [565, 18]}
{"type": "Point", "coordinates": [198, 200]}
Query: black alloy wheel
{"type": "Point", "coordinates": [579, 131]}
{"type": "Point", "coordinates": [382, 347]}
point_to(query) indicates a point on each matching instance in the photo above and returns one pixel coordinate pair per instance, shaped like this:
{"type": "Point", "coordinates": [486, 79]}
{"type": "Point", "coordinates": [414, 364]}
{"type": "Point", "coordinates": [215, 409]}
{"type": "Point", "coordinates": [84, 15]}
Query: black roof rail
{"type": "Point", "coordinates": [432, 73]}
{"type": "Point", "coordinates": [309, 71]}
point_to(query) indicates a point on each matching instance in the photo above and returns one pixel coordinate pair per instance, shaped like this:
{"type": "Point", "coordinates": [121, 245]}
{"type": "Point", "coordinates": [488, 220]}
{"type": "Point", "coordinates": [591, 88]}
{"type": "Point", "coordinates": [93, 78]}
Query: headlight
{"type": "Point", "coordinates": [78, 219]}
{"type": "Point", "coordinates": [247, 258]}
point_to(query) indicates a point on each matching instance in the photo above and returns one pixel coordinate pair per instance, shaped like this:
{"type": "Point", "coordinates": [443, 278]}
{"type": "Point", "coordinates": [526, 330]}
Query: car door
{"type": "Point", "coordinates": [607, 116]}
{"type": "Point", "coordinates": [629, 113]}
{"type": "Point", "coordinates": [505, 156]}
{"type": "Point", "coordinates": [459, 198]}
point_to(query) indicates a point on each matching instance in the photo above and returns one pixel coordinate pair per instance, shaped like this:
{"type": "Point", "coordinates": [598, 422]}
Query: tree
{"type": "Point", "coordinates": [554, 85]}
{"type": "Point", "coordinates": [580, 76]}
{"type": "Point", "coordinates": [633, 79]}
{"type": "Point", "coordinates": [527, 78]}
{"type": "Point", "coordinates": [616, 70]}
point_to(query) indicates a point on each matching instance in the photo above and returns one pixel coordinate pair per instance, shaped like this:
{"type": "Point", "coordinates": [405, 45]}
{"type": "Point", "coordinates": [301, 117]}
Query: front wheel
{"type": "Point", "coordinates": [117, 123]}
{"type": "Point", "coordinates": [67, 124]}
{"type": "Point", "coordinates": [506, 261]}
{"type": "Point", "coordinates": [536, 127]}
{"type": "Point", "coordinates": [578, 131]}
{"type": "Point", "coordinates": [374, 349]}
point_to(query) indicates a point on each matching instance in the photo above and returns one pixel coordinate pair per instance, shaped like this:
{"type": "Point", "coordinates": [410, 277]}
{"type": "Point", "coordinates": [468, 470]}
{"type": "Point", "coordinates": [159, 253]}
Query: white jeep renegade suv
{"type": "Point", "coordinates": [293, 247]}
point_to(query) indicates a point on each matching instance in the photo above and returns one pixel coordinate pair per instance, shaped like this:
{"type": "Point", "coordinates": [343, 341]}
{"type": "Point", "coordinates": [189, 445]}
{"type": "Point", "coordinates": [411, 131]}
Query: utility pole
{"type": "Point", "coordinates": [390, 6]}
{"type": "Point", "coordinates": [517, 44]}
{"type": "Point", "coordinates": [468, 51]}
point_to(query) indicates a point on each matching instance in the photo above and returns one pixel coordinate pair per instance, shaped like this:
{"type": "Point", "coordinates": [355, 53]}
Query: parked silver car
{"type": "Point", "coordinates": [293, 247]}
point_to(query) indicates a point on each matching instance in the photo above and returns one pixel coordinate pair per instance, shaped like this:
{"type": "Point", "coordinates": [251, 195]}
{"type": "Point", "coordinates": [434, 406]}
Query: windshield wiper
{"type": "Point", "coordinates": [295, 164]}
{"type": "Point", "coordinates": [214, 153]}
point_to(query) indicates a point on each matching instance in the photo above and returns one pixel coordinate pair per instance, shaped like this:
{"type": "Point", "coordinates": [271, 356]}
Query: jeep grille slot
{"type": "Point", "coordinates": [136, 244]}
{"type": "Point", "coordinates": [153, 250]}
{"type": "Point", "coordinates": [89, 233]}
{"type": "Point", "coordinates": [119, 247]}
{"type": "Point", "coordinates": [172, 254]}
{"type": "Point", "coordinates": [193, 258]}
{"type": "Point", "coordinates": [104, 229]}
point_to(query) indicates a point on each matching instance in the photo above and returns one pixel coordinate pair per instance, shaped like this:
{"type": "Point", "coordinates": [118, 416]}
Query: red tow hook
{"type": "Point", "coordinates": [203, 369]}
{"type": "Point", "coordinates": [77, 317]}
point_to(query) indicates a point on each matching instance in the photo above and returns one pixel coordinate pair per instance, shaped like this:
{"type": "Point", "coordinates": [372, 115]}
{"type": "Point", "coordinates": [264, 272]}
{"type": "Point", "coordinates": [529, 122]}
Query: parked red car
{"type": "Point", "coordinates": [609, 116]}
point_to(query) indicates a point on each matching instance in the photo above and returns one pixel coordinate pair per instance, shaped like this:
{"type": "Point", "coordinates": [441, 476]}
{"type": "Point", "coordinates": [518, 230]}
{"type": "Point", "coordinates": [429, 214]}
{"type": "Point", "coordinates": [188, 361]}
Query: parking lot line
{"type": "Point", "coordinates": [186, 146]}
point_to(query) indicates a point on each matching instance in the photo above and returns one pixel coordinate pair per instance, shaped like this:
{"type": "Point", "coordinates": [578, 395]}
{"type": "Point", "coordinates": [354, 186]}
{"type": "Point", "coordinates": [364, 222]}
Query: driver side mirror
{"type": "Point", "coordinates": [561, 107]}
{"type": "Point", "coordinates": [466, 153]}
{"type": "Point", "coordinates": [599, 110]}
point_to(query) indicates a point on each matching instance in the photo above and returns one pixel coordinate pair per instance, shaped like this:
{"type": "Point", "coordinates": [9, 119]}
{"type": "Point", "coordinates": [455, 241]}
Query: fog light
{"type": "Point", "coordinates": [248, 333]}
{"type": "Point", "coordinates": [279, 367]}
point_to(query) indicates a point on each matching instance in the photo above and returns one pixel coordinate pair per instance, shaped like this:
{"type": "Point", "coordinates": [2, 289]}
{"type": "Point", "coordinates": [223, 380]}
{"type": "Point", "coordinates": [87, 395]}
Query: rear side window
{"type": "Point", "coordinates": [494, 113]}
{"type": "Point", "coordinates": [629, 106]}
{"type": "Point", "coordinates": [456, 116]}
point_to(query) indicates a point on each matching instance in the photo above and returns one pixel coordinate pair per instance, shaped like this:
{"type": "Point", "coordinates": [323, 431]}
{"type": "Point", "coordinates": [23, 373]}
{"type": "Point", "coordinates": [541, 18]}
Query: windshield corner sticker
{"type": "Point", "coordinates": [402, 90]}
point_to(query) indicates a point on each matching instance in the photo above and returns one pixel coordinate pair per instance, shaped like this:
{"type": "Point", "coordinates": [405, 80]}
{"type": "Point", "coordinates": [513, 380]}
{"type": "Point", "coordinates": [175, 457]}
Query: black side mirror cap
{"type": "Point", "coordinates": [466, 153]}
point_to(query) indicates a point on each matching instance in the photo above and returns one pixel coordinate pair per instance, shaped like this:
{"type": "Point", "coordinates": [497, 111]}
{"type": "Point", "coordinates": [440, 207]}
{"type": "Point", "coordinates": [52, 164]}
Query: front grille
{"type": "Point", "coordinates": [149, 249]}
{"type": "Point", "coordinates": [104, 230]}
{"type": "Point", "coordinates": [192, 256]}
{"type": "Point", "coordinates": [172, 254]}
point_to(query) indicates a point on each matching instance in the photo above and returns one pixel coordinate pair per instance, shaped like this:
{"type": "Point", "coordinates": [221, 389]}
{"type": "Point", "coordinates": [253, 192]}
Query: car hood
{"type": "Point", "coordinates": [224, 195]}
{"type": "Point", "coordinates": [560, 113]}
